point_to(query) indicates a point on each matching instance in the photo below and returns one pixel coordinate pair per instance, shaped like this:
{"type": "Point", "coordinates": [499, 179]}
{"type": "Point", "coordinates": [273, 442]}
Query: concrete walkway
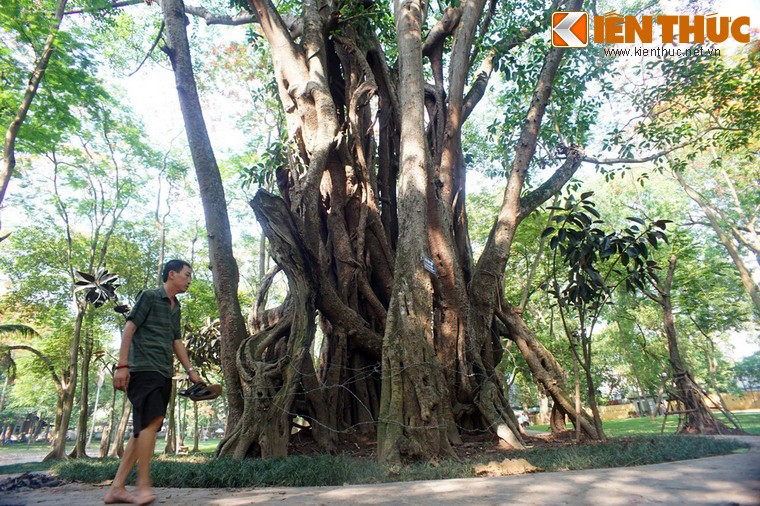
{"type": "Point", "coordinates": [726, 480]}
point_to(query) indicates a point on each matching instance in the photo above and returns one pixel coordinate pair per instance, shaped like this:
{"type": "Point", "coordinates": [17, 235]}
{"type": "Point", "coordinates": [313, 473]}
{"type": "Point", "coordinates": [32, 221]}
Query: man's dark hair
{"type": "Point", "coordinates": [174, 265]}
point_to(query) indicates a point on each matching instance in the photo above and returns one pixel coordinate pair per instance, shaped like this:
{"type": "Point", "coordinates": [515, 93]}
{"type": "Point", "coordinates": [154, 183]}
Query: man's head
{"type": "Point", "coordinates": [178, 273]}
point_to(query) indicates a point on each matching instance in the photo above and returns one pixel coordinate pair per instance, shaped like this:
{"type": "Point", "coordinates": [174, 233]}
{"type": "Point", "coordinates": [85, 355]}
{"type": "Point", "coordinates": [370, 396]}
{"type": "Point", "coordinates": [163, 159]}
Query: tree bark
{"type": "Point", "coordinates": [117, 449]}
{"type": "Point", "coordinates": [697, 418]}
{"type": "Point", "coordinates": [101, 378]}
{"type": "Point", "coordinates": [171, 422]}
{"type": "Point", "coordinates": [223, 265]}
{"type": "Point", "coordinates": [273, 360]}
{"type": "Point", "coordinates": [68, 388]}
{"type": "Point", "coordinates": [80, 448]}
{"type": "Point", "coordinates": [410, 344]}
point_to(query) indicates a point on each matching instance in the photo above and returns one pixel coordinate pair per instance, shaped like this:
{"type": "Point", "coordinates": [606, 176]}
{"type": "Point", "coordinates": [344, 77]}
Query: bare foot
{"type": "Point", "coordinates": [119, 496]}
{"type": "Point", "coordinates": [144, 497]}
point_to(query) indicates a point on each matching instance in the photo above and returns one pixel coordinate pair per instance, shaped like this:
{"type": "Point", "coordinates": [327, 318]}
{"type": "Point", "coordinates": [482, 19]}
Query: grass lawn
{"type": "Point", "coordinates": [640, 443]}
{"type": "Point", "coordinates": [202, 471]}
{"type": "Point", "coordinates": [750, 422]}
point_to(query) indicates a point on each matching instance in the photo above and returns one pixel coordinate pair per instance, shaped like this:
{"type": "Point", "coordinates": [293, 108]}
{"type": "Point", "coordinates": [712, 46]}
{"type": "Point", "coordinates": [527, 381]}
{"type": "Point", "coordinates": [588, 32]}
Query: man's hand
{"type": "Point", "coordinates": [121, 379]}
{"type": "Point", "coordinates": [194, 376]}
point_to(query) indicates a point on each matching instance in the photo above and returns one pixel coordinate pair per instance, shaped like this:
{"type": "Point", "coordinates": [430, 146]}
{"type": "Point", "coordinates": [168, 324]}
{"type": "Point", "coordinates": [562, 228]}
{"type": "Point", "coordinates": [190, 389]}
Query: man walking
{"type": "Point", "coordinates": [145, 370]}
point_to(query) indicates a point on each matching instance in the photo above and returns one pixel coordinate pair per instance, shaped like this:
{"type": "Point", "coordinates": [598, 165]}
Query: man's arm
{"type": "Point", "coordinates": [181, 352]}
{"type": "Point", "coordinates": [121, 375]}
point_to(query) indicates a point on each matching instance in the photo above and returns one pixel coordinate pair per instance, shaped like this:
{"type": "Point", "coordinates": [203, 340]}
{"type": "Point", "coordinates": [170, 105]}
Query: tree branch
{"type": "Point", "coordinates": [11, 134]}
{"type": "Point", "coordinates": [659, 154]}
{"type": "Point", "coordinates": [551, 186]}
{"type": "Point", "coordinates": [42, 357]}
{"type": "Point", "coordinates": [150, 51]}
{"type": "Point", "coordinates": [113, 5]}
{"type": "Point", "coordinates": [241, 18]}
{"type": "Point", "coordinates": [442, 29]}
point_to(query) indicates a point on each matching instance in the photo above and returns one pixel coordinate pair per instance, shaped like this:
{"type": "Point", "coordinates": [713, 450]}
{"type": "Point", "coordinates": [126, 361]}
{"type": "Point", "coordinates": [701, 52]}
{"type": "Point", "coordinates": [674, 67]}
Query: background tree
{"type": "Point", "coordinates": [709, 144]}
{"type": "Point", "coordinates": [748, 371]}
{"type": "Point", "coordinates": [596, 263]}
{"type": "Point", "coordinates": [24, 62]}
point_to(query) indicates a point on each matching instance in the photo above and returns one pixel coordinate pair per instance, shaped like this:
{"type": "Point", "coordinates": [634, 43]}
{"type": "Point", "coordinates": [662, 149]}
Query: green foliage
{"type": "Point", "coordinates": [748, 371]}
{"type": "Point", "coordinates": [261, 174]}
{"type": "Point", "coordinates": [715, 87]}
{"type": "Point", "coordinates": [370, 20]}
{"type": "Point", "coordinates": [68, 85]}
{"type": "Point", "coordinates": [581, 86]}
{"type": "Point", "coordinates": [204, 346]}
{"type": "Point", "coordinates": [583, 247]}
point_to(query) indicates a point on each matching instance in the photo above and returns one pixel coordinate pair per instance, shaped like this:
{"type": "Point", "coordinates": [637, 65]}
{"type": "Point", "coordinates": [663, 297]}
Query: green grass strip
{"type": "Point", "coordinates": [325, 470]}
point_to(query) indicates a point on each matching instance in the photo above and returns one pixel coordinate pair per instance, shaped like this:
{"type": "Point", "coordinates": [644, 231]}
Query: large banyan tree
{"type": "Point", "coordinates": [369, 225]}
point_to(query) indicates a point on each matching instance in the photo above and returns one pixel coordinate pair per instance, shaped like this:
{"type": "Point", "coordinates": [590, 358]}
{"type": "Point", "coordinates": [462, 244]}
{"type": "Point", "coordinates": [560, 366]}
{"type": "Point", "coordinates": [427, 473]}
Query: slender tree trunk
{"type": "Point", "coordinates": [548, 373]}
{"type": "Point", "coordinates": [544, 412]}
{"type": "Point", "coordinates": [746, 276]}
{"type": "Point", "coordinates": [118, 439]}
{"type": "Point", "coordinates": [2, 395]}
{"type": "Point", "coordinates": [171, 422]}
{"type": "Point", "coordinates": [80, 449]}
{"type": "Point", "coordinates": [590, 386]}
{"type": "Point", "coordinates": [577, 378]}
{"type": "Point", "coordinates": [697, 417]}
{"type": "Point", "coordinates": [101, 378]}
{"type": "Point", "coordinates": [105, 437]}
{"type": "Point", "coordinates": [223, 265]}
{"type": "Point", "coordinates": [11, 135]}
{"type": "Point", "coordinates": [68, 384]}
{"type": "Point", "coordinates": [196, 435]}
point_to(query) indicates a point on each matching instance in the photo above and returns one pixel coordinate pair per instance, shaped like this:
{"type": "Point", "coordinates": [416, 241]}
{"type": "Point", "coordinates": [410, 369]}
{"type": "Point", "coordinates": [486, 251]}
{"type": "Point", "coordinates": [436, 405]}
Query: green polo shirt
{"type": "Point", "coordinates": [157, 327]}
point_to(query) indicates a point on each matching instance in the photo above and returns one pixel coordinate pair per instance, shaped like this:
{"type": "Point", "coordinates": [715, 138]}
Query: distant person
{"type": "Point", "coordinates": [523, 419]}
{"type": "Point", "coordinates": [145, 371]}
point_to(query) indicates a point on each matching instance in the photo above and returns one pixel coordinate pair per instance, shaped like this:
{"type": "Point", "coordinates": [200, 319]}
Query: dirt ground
{"type": "Point", "coordinates": [725, 480]}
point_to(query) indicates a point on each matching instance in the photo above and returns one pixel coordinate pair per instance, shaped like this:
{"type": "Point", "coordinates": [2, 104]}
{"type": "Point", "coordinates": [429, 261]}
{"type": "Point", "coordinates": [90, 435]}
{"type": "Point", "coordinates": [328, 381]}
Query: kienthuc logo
{"type": "Point", "coordinates": [571, 29]}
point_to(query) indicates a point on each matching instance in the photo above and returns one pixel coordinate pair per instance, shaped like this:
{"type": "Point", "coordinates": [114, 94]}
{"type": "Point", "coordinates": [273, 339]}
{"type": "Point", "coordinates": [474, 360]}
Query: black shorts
{"type": "Point", "coordinates": [149, 394]}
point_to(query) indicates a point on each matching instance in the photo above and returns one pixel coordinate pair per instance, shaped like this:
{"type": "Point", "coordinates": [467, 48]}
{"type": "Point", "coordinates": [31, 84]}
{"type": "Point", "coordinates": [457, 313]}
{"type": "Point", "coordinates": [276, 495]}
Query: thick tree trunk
{"type": "Point", "coordinates": [415, 412]}
{"type": "Point", "coordinates": [273, 360]}
{"type": "Point", "coordinates": [389, 268]}
{"type": "Point", "coordinates": [223, 265]}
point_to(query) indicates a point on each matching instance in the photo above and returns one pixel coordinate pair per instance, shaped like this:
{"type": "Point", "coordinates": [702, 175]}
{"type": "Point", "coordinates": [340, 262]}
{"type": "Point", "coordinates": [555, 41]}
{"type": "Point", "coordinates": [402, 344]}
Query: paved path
{"type": "Point", "coordinates": [726, 480]}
